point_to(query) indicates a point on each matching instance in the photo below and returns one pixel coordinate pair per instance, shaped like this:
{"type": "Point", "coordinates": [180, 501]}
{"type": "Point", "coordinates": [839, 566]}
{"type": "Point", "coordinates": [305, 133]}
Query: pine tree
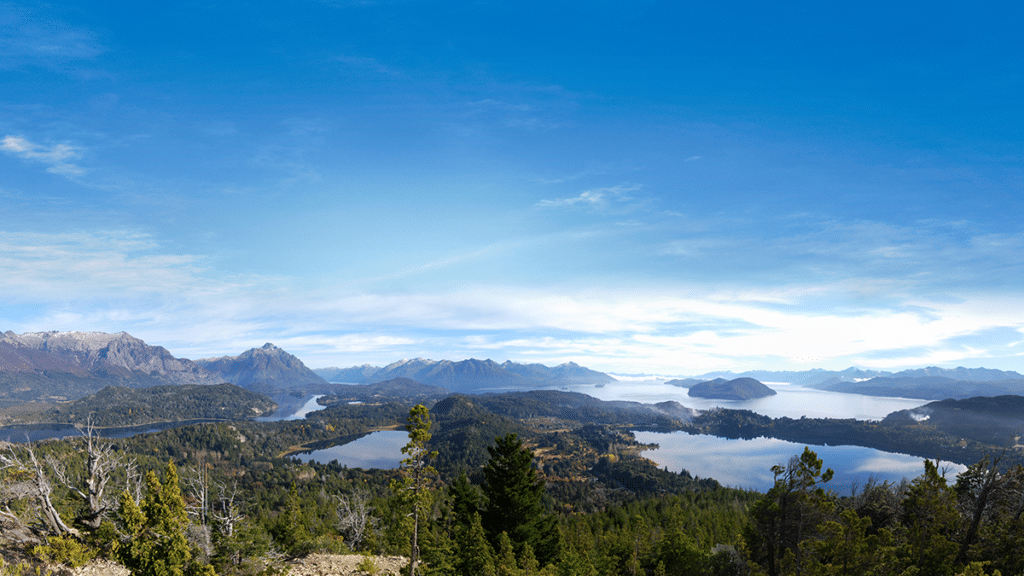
{"type": "Point", "coordinates": [505, 563]}
{"type": "Point", "coordinates": [157, 544]}
{"type": "Point", "coordinates": [930, 516]}
{"type": "Point", "coordinates": [514, 491]}
{"type": "Point", "coordinates": [414, 489]}
{"type": "Point", "coordinates": [475, 556]}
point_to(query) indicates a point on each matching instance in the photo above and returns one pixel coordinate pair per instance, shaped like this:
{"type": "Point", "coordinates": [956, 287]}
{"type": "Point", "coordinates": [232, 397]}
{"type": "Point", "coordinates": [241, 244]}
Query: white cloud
{"type": "Point", "coordinates": [57, 157]}
{"type": "Point", "coordinates": [594, 198]}
{"type": "Point", "coordinates": [124, 281]}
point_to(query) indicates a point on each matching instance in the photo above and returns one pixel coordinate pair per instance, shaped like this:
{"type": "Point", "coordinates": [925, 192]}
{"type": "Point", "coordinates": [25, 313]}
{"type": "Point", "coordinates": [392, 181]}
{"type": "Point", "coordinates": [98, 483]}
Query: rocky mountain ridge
{"type": "Point", "coordinates": [469, 375]}
{"type": "Point", "coordinates": [118, 356]}
{"type": "Point", "coordinates": [61, 366]}
{"type": "Point", "coordinates": [265, 369]}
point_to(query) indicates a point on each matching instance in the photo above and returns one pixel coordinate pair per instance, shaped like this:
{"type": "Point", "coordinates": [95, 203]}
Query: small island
{"type": "Point", "coordinates": [738, 389]}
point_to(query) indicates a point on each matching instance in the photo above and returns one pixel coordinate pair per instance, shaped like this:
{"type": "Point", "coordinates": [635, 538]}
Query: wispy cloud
{"type": "Point", "coordinates": [57, 157]}
{"type": "Point", "coordinates": [367, 63]}
{"type": "Point", "coordinates": [127, 281]}
{"type": "Point", "coordinates": [26, 38]}
{"type": "Point", "coordinates": [594, 198]}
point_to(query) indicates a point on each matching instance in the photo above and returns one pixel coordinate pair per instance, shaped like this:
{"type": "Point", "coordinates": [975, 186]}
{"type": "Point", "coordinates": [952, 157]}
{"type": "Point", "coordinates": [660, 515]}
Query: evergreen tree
{"type": "Point", "coordinates": [930, 517]}
{"type": "Point", "coordinates": [790, 512]}
{"type": "Point", "coordinates": [514, 491]}
{"type": "Point", "coordinates": [475, 556]}
{"type": "Point", "coordinates": [505, 562]}
{"type": "Point", "coordinates": [414, 489]}
{"type": "Point", "coordinates": [466, 501]}
{"type": "Point", "coordinates": [156, 544]}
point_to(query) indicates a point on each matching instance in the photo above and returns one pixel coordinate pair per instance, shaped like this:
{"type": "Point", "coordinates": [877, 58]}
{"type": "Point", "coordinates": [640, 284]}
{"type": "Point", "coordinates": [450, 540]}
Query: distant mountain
{"type": "Point", "coordinates": [353, 375]}
{"type": "Point", "coordinates": [69, 365]}
{"type": "Point", "coordinates": [267, 369]}
{"type": "Point", "coordinates": [928, 387]}
{"type": "Point", "coordinates": [470, 375]}
{"type": "Point", "coordinates": [961, 373]}
{"type": "Point", "coordinates": [685, 382]}
{"type": "Point", "coordinates": [994, 420]}
{"type": "Point", "coordinates": [809, 378]}
{"type": "Point", "coordinates": [738, 389]}
{"type": "Point", "coordinates": [918, 383]}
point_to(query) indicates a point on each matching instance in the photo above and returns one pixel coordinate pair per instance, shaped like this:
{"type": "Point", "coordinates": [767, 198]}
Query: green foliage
{"type": "Point", "coordinates": [514, 491]}
{"type": "Point", "coordinates": [368, 565]}
{"type": "Point", "coordinates": [790, 512]}
{"type": "Point", "coordinates": [155, 543]}
{"type": "Point", "coordinates": [120, 406]}
{"type": "Point", "coordinates": [475, 555]}
{"type": "Point", "coordinates": [929, 517]}
{"type": "Point", "coordinates": [413, 490]}
{"type": "Point", "coordinates": [20, 569]}
{"type": "Point", "coordinates": [64, 550]}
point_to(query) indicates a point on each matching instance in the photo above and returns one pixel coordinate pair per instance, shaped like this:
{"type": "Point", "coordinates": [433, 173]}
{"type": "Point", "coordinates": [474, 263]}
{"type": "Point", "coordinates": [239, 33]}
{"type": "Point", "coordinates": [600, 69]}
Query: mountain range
{"type": "Point", "coordinates": [819, 377]}
{"type": "Point", "coordinates": [70, 365]}
{"type": "Point", "coordinates": [63, 366]}
{"type": "Point", "coordinates": [470, 375]}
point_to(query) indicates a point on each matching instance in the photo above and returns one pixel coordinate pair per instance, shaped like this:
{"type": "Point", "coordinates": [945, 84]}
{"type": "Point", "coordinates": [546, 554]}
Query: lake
{"type": "Point", "coordinates": [790, 400]}
{"type": "Point", "coordinates": [747, 463]}
{"type": "Point", "coordinates": [292, 408]}
{"type": "Point", "coordinates": [737, 463]}
{"type": "Point", "coordinates": [376, 450]}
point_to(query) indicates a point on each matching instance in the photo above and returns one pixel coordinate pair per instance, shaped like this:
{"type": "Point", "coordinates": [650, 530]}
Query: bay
{"type": "Point", "coordinates": [745, 463]}
{"type": "Point", "coordinates": [790, 400]}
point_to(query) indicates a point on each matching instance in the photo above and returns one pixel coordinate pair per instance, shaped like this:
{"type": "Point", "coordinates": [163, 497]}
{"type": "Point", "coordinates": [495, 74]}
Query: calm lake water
{"type": "Point", "coordinates": [747, 463]}
{"type": "Point", "coordinates": [377, 450]}
{"type": "Point", "coordinates": [791, 400]}
{"type": "Point", "coordinates": [292, 408]}
{"type": "Point", "coordinates": [737, 463]}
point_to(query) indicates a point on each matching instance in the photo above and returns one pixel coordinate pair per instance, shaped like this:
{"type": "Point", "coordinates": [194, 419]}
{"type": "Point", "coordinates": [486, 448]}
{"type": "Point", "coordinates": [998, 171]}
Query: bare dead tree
{"type": "Point", "coordinates": [354, 517]}
{"type": "Point", "coordinates": [101, 466]}
{"type": "Point", "coordinates": [227, 513]}
{"type": "Point", "coordinates": [198, 504]}
{"type": "Point", "coordinates": [38, 487]}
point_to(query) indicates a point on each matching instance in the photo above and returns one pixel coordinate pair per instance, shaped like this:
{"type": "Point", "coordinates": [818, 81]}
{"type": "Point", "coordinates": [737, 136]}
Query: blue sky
{"type": "Point", "coordinates": [656, 187]}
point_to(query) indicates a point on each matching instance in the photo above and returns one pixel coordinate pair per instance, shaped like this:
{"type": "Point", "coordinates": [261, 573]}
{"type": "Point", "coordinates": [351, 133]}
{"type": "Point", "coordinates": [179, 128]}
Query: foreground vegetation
{"type": "Point", "coordinates": [505, 485]}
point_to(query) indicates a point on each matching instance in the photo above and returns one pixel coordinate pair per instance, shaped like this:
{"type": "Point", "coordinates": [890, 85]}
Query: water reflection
{"type": "Point", "coordinates": [747, 463]}
{"type": "Point", "coordinates": [381, 450]}
{"type": "Point", "coordinates": [292, 408]}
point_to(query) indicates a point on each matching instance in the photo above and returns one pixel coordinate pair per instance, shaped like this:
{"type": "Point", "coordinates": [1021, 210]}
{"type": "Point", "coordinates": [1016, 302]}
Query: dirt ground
{"type": "Point", "coordinates": [335, 565]}
{"type": "Point", "coordinates": [312, 565]}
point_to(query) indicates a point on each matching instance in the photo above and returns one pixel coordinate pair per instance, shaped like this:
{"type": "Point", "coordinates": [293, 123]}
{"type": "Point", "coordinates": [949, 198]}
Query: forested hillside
{"type": "Point", "coordinates": [547, 483]}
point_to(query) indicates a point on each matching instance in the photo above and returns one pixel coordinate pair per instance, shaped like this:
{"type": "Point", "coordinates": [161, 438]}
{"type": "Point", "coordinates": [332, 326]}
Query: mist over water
{"type": "Point", "coordinates": [791, 401]}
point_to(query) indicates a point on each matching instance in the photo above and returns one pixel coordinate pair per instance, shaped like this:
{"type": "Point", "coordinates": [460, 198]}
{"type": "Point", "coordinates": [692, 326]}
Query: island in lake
{"type": "Point", "coordinates": [738, 389]}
